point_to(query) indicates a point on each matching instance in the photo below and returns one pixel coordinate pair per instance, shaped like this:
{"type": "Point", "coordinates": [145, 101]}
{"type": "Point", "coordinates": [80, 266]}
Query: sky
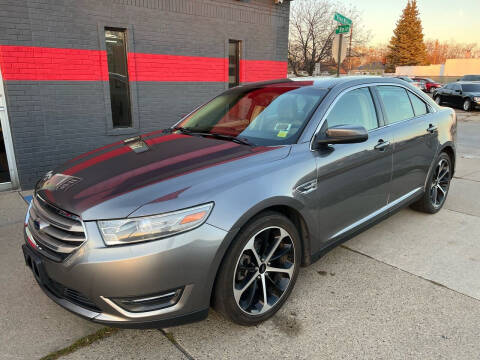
{"type": "Point", "coordinates": [446, 20]}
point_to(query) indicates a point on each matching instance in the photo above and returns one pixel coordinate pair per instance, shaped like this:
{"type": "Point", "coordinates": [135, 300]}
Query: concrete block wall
{"type": "Point", "coordinates": [53, 63]}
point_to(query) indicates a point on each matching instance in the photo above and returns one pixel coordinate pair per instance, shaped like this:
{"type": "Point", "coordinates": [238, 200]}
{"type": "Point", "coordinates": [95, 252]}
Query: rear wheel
{"type": "Point", "coordinates": [467, 105]}
{"type": "Point", "coordinates": [259, 270]}
{"type": "Point", "coordinates": [432, 90]}
{"type": "Point", "coordinates": [437, 186]}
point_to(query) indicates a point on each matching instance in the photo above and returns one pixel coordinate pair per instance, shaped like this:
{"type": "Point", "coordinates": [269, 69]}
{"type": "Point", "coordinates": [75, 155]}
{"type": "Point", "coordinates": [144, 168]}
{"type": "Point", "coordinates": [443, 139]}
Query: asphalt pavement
{"type": "Point", "coordinates": [406, 288]}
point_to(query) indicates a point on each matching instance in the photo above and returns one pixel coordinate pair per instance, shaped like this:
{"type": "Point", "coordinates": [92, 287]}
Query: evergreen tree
{"type": "Point", "coordinates": [407, 46]}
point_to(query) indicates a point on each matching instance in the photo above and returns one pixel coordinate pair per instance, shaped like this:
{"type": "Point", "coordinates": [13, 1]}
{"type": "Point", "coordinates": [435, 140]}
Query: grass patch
{"type": "Point", "coordinates": [82, 342]}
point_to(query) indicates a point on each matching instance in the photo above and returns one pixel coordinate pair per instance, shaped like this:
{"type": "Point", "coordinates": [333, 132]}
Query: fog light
{"type": "Point", "coordinates": [150, 302]}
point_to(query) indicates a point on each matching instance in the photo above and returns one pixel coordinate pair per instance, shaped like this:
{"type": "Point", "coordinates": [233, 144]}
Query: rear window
{"type": "Point", "coordinates": [471, 87]}
{"type": "Point", "coordinates": [471, 77]}
{"type": "Point", "coordinates": [396, 103]}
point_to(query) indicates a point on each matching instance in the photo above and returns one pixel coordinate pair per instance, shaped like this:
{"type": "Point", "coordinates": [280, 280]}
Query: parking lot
{"type": "Point", "coordinates": [406, 288]}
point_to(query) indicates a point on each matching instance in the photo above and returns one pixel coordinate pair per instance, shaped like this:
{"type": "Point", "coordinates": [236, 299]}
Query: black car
{"type": "Point", "coordinates": [462, 94]}
{"type": "Point", "coordinates": [470, 78]}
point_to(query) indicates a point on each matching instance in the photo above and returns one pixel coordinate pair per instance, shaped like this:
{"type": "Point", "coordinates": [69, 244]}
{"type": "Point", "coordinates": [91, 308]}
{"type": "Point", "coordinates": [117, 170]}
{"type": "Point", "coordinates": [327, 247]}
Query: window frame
{"type": "Point", "coordinates": [378, 105]}
{"type": "Point", "coordinates": [410, 94]}
{"type": "Point", "coordinates": [130, 48]}
{"type": "Point", "coordinates": [377, 110]}
{"type": "Point", "coordinates": [239, 58]}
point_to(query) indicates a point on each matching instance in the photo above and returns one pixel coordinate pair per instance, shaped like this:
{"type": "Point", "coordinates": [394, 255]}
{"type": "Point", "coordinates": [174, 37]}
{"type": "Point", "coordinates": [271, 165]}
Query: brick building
{"type": "Point", "coordinates": [79, 74]}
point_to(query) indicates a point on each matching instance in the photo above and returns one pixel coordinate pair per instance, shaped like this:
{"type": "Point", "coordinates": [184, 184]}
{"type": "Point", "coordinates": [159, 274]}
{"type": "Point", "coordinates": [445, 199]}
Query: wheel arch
{"type": "Point", "coordinates": [450, 150]}
{"type": "Point", "coordinates": [286, 206]}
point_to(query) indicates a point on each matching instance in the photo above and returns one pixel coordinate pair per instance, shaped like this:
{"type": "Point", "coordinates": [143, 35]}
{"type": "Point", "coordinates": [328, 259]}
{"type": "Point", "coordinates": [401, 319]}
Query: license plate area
{"type": "Point", "coordinates": [35, 263]}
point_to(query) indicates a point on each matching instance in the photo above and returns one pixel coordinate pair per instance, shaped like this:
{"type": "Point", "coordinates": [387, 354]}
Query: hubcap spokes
{"type": "Point", "coordinates": [440, 183]}
{"type": "Point", "coordinates": [264, 270]}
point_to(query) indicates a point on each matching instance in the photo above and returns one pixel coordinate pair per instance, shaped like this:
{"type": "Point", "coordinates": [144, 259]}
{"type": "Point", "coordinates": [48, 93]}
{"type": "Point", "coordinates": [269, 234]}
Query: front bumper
{"type": "Point", "coordinates": [87, 282]}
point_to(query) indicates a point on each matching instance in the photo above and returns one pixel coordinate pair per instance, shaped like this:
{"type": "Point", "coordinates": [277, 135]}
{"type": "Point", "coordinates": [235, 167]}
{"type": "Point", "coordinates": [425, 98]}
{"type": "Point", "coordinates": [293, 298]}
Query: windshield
{"type": "Point", "coordinates": [471, 87]}
{"type": "Point", "coordinates": [264, 115]}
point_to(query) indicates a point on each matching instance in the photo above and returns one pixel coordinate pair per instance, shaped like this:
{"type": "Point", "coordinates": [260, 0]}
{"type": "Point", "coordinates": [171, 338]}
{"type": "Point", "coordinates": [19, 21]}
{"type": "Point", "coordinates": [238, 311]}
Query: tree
{"type": "Point", "coordinates": [438, 52]}
{"type": "Point", "coordinates": [312, 30]}
{"type": "Point", "coordinates": [407, 46]}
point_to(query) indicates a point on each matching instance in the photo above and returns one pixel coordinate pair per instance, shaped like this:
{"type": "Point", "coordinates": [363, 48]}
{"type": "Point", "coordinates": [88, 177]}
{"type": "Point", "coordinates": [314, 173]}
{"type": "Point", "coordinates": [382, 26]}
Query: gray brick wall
{"type": "Point", "coordinates": [53, 121]}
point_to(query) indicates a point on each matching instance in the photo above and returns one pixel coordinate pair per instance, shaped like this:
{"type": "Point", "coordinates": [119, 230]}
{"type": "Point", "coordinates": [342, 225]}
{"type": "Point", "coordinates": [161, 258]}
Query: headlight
{"type": "Point", "coordinates": [125, 231]}
{"type": "Point", "coordinates": [476, 99]}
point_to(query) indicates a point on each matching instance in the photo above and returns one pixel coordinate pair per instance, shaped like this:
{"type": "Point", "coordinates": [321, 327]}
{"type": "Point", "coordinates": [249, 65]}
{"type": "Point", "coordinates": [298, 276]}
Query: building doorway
{"type": "Point", "coordinates": [8, 171]}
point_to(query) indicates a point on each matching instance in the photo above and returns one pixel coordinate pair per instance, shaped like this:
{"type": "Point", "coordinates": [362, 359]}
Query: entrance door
{"type": "Point", "coordinates": [8, 172]}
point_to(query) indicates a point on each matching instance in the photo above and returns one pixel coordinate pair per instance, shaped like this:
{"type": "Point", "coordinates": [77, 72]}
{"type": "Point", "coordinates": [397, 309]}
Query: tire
{"type": "Point", "coordinates": [437, 187]}
{"type": "Point", "coordinates": [467, 105]}
{"type": "Point", "coordinates": [438, 100]}
{"type": "Point", "coordinates": [432, 90]}
{"type": "Point", "coordinates": [240, 283]}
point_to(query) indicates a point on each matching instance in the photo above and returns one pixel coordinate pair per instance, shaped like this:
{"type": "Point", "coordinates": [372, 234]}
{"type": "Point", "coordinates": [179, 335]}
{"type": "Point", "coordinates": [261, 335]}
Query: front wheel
{"type": "Point", "coordinates": [437, 187]}
{"type": "Point", "coordinates": [259, 271]}
{"type": "Point", "coordinates": [432, 90]}
{"type": "Point", "coordinates": [467, 105]}
{"type": "Point", "coordinates": [438, 100]}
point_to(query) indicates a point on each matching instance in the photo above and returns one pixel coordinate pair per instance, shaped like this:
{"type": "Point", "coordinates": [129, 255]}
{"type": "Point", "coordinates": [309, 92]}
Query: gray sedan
{"type": "Point", "coordinates": [227, 205]}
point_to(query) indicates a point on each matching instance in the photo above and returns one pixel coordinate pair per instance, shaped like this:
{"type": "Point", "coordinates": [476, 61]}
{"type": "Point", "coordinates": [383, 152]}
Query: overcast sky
{"type": "Point", "coordinates": [457, 20]}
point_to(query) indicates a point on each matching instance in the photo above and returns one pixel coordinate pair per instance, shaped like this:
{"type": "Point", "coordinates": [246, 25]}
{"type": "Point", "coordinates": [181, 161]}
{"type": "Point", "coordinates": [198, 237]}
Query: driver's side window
{"type": "Point", "coordinates": [354, 108]}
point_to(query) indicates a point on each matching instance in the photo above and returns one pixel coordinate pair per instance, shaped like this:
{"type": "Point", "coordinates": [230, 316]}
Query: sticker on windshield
{"type": "Point", "coordinates": [282, 133]}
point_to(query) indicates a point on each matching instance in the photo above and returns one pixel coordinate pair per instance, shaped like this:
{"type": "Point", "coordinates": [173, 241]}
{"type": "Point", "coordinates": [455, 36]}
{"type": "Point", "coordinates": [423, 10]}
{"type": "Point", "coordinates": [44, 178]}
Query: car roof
{"type": "Point", "coordinates": [466, 82]}
{"type": "Point", "coordinates": [331, 82]}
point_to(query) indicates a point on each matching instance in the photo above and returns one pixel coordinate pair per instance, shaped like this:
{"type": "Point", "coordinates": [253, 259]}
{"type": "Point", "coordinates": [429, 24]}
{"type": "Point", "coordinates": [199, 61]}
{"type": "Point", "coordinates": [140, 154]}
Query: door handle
{"type": "Point", "coordinates": [432, 128]}
{"type": "Point", "coordinates": [382, 145]}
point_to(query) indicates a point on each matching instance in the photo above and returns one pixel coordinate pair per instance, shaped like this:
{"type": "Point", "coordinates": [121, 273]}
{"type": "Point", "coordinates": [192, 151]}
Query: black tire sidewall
{"type": "Point", "coordinates": [224, 300]}
{"type": "Point", "coordinates": [445, 156]}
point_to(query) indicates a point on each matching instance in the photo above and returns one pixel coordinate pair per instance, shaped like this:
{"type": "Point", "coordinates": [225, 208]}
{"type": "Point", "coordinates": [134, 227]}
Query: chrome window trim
{"type": "Point", "coordinates": [320, 124]}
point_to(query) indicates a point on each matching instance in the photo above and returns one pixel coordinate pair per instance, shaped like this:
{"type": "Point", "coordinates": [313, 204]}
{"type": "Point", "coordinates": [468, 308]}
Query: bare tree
{"type": "Point", "coordinates": [438, 52]}
{"type": "Point", "coordinates": [312, 30]}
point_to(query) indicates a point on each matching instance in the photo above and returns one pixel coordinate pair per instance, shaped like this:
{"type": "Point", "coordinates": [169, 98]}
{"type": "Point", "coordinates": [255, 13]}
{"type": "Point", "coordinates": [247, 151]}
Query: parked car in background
{"type": "Point", "coordinates": [463, 94]}
{"type": "Point", "coordinates": [470, 78]}
{"type": "Point", "coordinates": [226, 205]}
{"type": "Point", "coordinates": [430, 85]}
{"type": "Point", "coordinates": [418, 84]}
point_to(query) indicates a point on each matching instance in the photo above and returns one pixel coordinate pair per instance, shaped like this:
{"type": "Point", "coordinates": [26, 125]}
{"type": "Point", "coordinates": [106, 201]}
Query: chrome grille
{"type": "Point", "coordinates": [57, 232]}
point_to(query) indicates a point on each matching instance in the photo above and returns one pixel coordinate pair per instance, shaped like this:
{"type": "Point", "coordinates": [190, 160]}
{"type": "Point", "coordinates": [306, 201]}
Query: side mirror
{"type": "Point", "coordinates": [342, 134]}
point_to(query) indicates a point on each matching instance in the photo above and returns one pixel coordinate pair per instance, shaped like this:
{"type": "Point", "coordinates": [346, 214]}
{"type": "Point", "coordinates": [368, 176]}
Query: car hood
{"type": "Point", "coordinates": [157, 168]}
{"type": "Point", "coordinates": [474, 93]}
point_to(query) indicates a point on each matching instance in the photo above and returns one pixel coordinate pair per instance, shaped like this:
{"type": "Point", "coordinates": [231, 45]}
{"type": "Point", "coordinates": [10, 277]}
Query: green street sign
{"type": "Point", "coordinates": [342, 29]}
{"type": "Point", "coordinates": [342, 19]}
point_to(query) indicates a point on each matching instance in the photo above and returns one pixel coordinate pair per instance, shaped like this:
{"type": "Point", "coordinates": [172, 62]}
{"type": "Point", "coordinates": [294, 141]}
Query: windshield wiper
{"type": "Point", "coordinates": [235, 139]}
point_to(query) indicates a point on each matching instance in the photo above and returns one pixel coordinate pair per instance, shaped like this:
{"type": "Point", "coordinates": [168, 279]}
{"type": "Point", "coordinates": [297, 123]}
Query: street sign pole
{"type": "Point", "coordinates": [350, 49]}
{"type": "Point", "coordinates": [339, 54]}
{"type": "Point", "coordinates": [345, 26]}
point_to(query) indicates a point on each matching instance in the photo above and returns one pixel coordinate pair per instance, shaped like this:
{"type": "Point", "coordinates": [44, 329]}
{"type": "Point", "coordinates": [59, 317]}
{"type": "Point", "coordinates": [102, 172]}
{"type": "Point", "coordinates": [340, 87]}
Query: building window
{"type": "Point", "coordinates": [233, 63]}
{"type": "Point", "coordinates": [116, 44]}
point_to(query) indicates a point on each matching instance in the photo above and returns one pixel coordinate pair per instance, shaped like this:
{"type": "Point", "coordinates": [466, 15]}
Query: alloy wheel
{"type": "Point", "coordinates": [466, 105]}
{"type": "Point", "coordinates": [264, 270]}
{"type": "Point", "coordinates": [440, 183]}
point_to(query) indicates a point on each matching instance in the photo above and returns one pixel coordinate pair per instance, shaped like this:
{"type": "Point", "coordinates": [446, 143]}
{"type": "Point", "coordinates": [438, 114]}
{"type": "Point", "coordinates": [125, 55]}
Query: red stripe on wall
{"type": "Point", "coordinates": [40, 63]}
{"type": "Point", "coordinates": [43, 64]}
{"type": "Point", "coordinates": [262, 70]}
{"type": "Point", "coordinates": [153, 67]}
